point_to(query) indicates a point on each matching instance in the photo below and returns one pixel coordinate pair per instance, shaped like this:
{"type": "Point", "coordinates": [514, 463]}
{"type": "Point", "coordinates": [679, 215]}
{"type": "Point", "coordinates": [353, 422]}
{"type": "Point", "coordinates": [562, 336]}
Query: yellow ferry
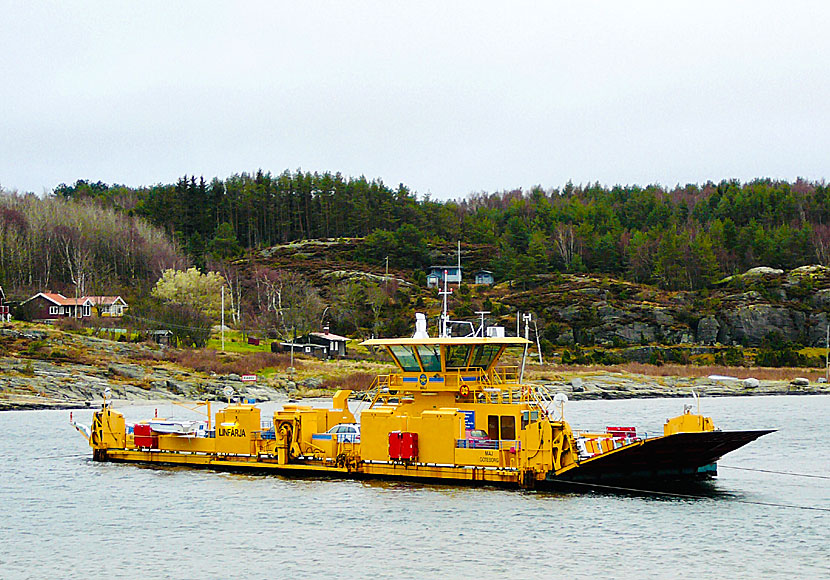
{"type": "Point", "coordinates": [451, 412]}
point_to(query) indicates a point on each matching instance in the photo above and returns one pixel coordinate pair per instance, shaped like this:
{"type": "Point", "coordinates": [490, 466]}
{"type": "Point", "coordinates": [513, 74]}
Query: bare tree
{"type": "Point", "coordinates": [565, 243]}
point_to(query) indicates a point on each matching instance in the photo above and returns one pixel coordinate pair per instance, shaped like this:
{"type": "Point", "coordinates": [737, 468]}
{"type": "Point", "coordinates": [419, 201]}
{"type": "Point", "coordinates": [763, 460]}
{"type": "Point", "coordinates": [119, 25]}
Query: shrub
{"type": "Point", "coordinates": [208, 360]}
{"type": "Point", "coordinates": [359, 381]}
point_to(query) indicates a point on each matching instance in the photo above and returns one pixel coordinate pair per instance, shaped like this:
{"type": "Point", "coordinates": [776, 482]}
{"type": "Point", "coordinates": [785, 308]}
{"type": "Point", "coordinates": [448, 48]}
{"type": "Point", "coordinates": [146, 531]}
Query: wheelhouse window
{"type": "Point", "coordinates": [484, 354]}
{"type": "Point", "coordinates": [508, 427]}
{"type": "Point", "coordinates": [503, 427]}
{"type": "Point", "coordinates": [430, 357]}
{"type": "Point", "coordinates": [406, 358]}
{"type": "Point", "coordinates": [457, 356]}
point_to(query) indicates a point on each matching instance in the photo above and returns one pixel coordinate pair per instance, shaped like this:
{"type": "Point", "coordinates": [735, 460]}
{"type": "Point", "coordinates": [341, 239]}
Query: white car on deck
{"type": "Point", "coordinates": [346, 432]}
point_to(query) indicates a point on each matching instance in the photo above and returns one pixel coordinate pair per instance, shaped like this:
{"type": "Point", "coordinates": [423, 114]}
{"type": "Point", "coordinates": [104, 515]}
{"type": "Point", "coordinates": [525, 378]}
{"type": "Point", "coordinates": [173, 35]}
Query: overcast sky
{"type": "Point", "coordinates": [447, 97]}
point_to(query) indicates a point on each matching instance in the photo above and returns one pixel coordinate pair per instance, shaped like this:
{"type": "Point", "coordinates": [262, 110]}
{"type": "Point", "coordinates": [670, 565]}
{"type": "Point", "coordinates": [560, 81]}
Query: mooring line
{"type": "Point", "coordinates": [776, 472]}
{"type": "Point", "coordinates": [61, 456]}
{"type": "Point", "coordinates": [690, 496]}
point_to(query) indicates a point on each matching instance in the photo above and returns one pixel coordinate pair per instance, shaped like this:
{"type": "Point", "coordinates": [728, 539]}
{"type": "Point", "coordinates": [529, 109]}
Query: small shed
{"type": "Point", "coordinates": [320, 344]}
{"type": "Point", "coordinates": [163, 337]}
{"type": "Point", "coordinates": [300, 348]}
{"type": "Point", "coordinates": [335, 344]}
{"type": "Point", "coordinates": [484, 277]}
{"type": "Point", "coordinates": [453, 274]}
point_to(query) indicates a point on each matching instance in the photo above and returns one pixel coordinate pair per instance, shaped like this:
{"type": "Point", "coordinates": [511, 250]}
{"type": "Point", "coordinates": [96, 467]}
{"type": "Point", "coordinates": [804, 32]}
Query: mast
{"type": "Point", "coordinates": [526, 318]}
{"type": "Point", "coordinates": [443, 321]}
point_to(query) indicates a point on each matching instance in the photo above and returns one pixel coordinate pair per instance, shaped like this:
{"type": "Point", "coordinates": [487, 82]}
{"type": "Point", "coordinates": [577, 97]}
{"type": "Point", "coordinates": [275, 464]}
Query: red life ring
{"type": "Point", "coordinates": [464, 390]}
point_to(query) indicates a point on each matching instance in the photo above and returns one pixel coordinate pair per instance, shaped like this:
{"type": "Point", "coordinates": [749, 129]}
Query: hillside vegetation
{"type": "Point", "coordinates": [608, 272]}
{"type": "Point", "coordinates": [676, 238]}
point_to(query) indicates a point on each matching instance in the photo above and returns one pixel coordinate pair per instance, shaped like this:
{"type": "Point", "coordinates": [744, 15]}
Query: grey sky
{"type": "Point", "coordinates": [446, 97]}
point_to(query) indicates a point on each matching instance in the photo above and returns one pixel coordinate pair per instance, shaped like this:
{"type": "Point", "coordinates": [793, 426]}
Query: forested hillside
{"type": "Point", "coordinates": [91, 238]}
{"type": "Point", "coordinates": [679, 238]}
{"type": "Point", "coordinates": [78, 246]}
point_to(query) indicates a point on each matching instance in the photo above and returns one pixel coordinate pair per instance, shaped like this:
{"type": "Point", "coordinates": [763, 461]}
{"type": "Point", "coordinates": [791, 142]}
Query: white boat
{"type": "Point", "coordinates": [177, 426]}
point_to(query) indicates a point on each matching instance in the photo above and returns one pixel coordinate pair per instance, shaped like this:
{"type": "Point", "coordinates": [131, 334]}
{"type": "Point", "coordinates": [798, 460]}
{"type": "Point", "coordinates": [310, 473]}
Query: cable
{"type": "Point", "coordinates": [61, 456]}
{"type": "Point", "coordinates": [689, 496]}
{"type": "Point", "coordinates": [777, 472]}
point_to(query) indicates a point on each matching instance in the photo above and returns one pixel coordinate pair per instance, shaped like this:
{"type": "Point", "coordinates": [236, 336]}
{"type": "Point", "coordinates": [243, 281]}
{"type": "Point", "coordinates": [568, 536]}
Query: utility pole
{"type": "Point", "coordinates": [459, 263]}
{"type": "Point", "coordinates": [827, 355]}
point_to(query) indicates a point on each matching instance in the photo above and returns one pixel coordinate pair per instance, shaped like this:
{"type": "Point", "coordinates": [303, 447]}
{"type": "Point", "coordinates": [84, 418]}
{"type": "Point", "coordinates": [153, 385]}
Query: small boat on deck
{"type": "Point", "coordinates": [176, 426]}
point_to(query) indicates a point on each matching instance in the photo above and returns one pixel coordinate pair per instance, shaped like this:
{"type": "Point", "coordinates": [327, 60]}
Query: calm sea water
{"type": "Point", "coordinates": [64, 516]}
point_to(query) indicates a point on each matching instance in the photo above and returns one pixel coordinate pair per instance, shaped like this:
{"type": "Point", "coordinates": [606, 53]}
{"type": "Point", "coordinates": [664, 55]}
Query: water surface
{"type": "Point", "coordinates": [68, 517]}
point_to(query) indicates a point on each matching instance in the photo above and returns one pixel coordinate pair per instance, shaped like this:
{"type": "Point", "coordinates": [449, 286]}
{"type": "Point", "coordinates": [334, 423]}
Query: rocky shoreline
{"type": "Point", "coordinates": [608, 385]}
{"type": "Point", "coordinates": [50, 369]}
{"type": "Point", "coordinates": [35, 384]}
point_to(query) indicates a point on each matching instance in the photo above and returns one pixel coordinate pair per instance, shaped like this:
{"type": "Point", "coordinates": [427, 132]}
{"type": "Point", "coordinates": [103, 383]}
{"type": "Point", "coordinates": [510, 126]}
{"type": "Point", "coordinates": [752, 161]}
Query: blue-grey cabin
{"type": "Point", "coordinates": [453, 274]}
{"type": "Point", "coordinates": [484, 277]}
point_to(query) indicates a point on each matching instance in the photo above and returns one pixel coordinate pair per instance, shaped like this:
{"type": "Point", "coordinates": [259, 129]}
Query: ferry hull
{"type": "Point", "coordinates": [686, 456]}
{"type": "Point", "coordinates": [681, 455]}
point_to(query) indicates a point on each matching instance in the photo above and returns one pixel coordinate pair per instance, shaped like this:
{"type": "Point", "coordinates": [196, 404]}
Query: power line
{"type": "Point", "coordinates": [691, 496]}
{"type": "Point", "coordinates": [776, 472]}
{"type": "Point", "coordinates": [162, 325]}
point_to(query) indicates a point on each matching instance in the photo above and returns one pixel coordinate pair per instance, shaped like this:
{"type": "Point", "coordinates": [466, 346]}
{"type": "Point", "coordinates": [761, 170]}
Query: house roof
{"type": "Point", "coordinates": [61, 300]}
{"type": "Point", "coordinates": [454, 267]}
{"type": "Point", "coordinates": [302, 344]}
{"type": "Point", "coordinates": [483, 272]}
{"type": "Point", "coordinates": [106, 300]}
{"type": "Point", "coordinates": [329, 336]}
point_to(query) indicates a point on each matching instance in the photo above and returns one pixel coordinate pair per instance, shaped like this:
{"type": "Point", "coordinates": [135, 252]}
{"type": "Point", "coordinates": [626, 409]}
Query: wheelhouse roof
{"type": "Point", "coordinates": [504, 340]}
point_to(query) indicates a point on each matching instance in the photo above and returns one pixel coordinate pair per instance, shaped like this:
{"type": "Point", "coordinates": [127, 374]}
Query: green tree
{"type": "Point", "coordinates": [191, 288]}
{"type": "Point", "coordinates": [669, 267]}
{"type": "Point", "coordinates": [224, 245]}
{"type": "Point", "coordinates": [703, 267]}
{"type": "Point", "coordinates": [537, 250]}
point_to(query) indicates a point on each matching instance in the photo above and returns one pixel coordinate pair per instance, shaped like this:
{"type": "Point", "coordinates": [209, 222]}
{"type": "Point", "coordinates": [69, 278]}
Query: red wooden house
{"type": "Point", "coordinates": [51, 306]}
{"type": "Point", "coordinates": [5, 316]}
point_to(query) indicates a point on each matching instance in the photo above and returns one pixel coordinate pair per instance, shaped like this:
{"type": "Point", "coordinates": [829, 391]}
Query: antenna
{"type": "Point", "coordinates": [483, 328]}
{"type": "Point", "coordinates": [443, 324]}
{"type": "Point", "coordinates": [526, 318]}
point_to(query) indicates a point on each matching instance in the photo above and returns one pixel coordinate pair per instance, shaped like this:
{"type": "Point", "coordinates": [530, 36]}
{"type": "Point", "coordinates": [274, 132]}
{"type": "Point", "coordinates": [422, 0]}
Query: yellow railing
{"type": "Point", "coordinates": [506, 375]}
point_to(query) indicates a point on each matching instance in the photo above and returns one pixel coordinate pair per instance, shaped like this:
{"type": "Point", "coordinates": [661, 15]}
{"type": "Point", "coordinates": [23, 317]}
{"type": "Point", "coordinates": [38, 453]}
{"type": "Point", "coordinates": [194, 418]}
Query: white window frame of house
{"type": "Point", "coordinates": [53, 310]}
{"type": "Point", "coordinates": [64, 310]}
{"type": "Point", "coordinates": [332, 345]}
{"type": "Point", "coordinates": [87, 310]}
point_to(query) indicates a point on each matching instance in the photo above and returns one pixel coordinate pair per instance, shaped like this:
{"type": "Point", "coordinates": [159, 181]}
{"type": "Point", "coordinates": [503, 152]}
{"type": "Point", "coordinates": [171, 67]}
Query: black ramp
{"type": "Point", "coordinates": [673, 455]}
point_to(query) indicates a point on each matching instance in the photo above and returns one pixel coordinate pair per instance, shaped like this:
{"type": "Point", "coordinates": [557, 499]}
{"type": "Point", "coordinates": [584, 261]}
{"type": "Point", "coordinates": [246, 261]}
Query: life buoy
{"type": "Point", "coordinates": [464, 390]}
